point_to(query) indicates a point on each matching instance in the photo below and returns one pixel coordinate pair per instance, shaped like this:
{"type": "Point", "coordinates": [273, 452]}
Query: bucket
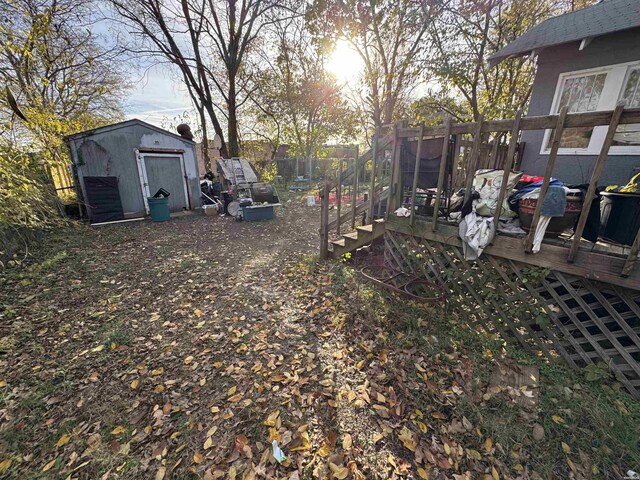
{"type": "Point", "coordinates": [557, 225]}
{"type": "Point", "coordinates": [159, 209]}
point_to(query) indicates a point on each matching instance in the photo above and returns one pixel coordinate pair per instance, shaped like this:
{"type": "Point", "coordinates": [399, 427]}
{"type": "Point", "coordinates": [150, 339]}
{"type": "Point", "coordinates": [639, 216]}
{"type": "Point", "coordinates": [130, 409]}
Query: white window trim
{"type": "Point", "coordinates": [611, 93]}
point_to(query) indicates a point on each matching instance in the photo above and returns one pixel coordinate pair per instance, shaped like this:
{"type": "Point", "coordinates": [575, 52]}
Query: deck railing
{"type": "Point", "coordinates": [458, 168]}
{"type": "Point", "coordinates": [477, 156]}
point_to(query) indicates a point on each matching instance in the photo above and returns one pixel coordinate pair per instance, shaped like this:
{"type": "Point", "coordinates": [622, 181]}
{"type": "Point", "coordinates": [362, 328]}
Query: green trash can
{"type": "Point", "coordinates": [159, 209]}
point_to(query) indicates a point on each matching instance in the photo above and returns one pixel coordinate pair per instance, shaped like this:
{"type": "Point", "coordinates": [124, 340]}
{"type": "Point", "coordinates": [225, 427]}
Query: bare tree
{"type": "Point", "coordinates": [390, 37]}
{"type": "Point", "coordinates": [208, 40]}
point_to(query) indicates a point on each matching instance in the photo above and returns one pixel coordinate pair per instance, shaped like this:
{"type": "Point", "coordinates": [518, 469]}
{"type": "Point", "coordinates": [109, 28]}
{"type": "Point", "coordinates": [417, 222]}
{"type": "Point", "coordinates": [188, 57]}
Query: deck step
{"type": "Point", "coordinates": [363, 235]}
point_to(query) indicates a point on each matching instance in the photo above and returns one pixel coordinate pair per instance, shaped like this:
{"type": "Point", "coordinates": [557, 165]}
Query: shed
{"type": "Point", "coordinates": [118, 166]}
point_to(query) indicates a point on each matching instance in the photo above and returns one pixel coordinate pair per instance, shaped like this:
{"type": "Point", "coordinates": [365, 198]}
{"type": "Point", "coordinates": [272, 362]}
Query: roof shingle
{"type": "Point", "coordinates": [608, 16]}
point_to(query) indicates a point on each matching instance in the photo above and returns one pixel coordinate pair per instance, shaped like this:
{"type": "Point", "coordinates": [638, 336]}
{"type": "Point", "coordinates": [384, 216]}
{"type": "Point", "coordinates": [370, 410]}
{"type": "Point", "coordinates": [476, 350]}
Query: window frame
{"type": "Point", "coordinates": [612, 91]}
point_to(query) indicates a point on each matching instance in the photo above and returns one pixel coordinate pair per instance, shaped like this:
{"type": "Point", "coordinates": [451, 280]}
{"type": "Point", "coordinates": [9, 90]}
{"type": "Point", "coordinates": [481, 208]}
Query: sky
{"type": "Point", "coordinates": [157, 97]}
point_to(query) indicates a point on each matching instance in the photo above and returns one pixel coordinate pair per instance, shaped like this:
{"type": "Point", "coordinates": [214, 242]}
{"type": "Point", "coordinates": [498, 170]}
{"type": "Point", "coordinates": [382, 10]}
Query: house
{"type": "Point", "coordinates": [589, 60]}
{"type": "Point", "coordinates": [118, 166]}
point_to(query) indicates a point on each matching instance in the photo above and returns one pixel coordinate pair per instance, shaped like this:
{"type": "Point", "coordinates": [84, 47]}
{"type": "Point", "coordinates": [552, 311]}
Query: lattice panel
{"type": "Point", "coordinates": [552, 313]}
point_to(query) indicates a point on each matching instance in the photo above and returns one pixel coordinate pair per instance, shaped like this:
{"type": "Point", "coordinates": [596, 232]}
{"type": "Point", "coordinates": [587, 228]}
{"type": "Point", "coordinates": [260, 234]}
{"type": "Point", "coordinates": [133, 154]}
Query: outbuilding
{"type": "Point", "coordinates": [117, 167]}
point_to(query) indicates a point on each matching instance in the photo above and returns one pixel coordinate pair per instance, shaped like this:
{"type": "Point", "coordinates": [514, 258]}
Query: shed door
{"type": "Point", "coordinates": [166, 171]}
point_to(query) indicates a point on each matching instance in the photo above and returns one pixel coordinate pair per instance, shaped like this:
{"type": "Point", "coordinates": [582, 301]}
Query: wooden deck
{"type": "Point", "coordinates": [572, 300]}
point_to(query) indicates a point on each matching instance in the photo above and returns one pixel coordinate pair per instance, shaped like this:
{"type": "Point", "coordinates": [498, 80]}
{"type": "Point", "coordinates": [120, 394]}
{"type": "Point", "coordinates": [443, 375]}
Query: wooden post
{"type": "Point", "coordinates": [632, 258]}
{"type": "Point", "coordinates": [394, 183]}
{"type": "Point", "coordinates": [472, 163]}
{"type": "Point", "coordinates": [508, 165]}
{"type": "Point", "coordinates": [355, 190]}
{"type": "Point", "coordinates": [339, 195]}
{"type": "Point", "coordinates": [444, 157]}
{"type": "Point", "coordinates": [416, 174]}
{"type": "Point", "coordinates": [324, 222]}
{"type": "Point", "coordinates": [557, 135]}
{"type": "Point", "coordinates": [593, 183]}
{"type": "Point", "coordinates": [372, 188]}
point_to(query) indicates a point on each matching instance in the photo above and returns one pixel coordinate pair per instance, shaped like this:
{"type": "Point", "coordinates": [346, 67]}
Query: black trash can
{"type": "Point", "coordinates": [619, 217]}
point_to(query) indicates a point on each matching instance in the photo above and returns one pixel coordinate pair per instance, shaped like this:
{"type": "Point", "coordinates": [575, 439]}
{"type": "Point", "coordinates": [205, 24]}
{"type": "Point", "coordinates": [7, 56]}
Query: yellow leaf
{"type": "Point", "coordinates": [422, 473]}
{"type": "Point", "coordinates": [134, 384]}
{"type": "Point", "coordinates": [566, 448]}
{"type": "Point", "coordinates": [49, 465]}
{"type": "Point", "coordinates": [558, 419]}
{"type": "Point", "coordinates": [198, 458]}
{"type": "Point", "coordinates": [339, 472]}
{"type": "Point", "coordinates": [422, 426]}
{"type": "Point", "coordinates": [208, 443]}
{"type": "Point", "coordinates": [159, 388]}
{"type": "Point", "coordinates": [113, 345]}
{"type": "Point", "coordinates": [377, 437]}
{"type": "Point", "coordinates": [197, 312]}
{"type": "Point", "coordinates": [235, 398]}
{"type": "Point", "coordinates": [3, 383]}
{"type": "Point", "coordinates": [157, 371]}
{"type": "Point", "coordinates": [488, 444]}
{"type": "Point", "coordinates": [271, 419]}
{"type": "Point", "coordinates": [118, 430]}
{"type": "Point", "coordinates": [99, 348]}
{"type": "Point", "coordinates": [324, 450]}
{"type": "Point", "coordinates": [161, 473]}
{"type": "Point", "coordinates": [407, 438]}
{"type": "Point", "coordinates": [188, 360]}
{"type": "Point", "coordinates": [64, 439]}
{"type": "Point", "coordinates": [347, 442]}
{"type": "Point", "coordinates": [232, 390]}
{"type": "Point", "coordinates": [5, 464]}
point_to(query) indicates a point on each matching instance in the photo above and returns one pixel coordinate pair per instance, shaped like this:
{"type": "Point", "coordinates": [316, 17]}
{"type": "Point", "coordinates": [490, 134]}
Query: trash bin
{"type": "Point", "coordinates": [159, 208]}
{"type": "Point", "coordinates": [619, 217]}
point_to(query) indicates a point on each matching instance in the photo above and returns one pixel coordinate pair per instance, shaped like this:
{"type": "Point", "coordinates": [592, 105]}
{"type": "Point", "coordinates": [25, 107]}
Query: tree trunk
{"type": "Point", "coordinates": [205, 140]}
{"type": "Point", "coordinates": [224, 152]}
{"type": "Point", "coordinates": [234, 145]}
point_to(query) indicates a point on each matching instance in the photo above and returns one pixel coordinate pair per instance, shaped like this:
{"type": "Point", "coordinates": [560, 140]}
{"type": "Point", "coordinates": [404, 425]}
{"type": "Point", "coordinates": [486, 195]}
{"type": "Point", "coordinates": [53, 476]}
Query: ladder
{"type": "Point", "coordinates": [238, 172]}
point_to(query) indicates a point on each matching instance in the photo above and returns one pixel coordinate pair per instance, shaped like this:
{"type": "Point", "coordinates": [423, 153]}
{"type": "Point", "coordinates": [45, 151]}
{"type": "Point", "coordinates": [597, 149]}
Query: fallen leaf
{"type": "Point", "coordinates": [198, 458]}
{"type": "Point", "coordinates": [347, 442]}
{"type": "Point", "coordinates": [188, 360]}
{"type": "Point", "coordinates": [5, 464]}
{"type": "Point", "coordinates": [422, 473]}
{"type": "Point", "coordinates": [64, 439]}
{"type": "Point", "coordinates": [99, 348]}
{"type": "Point", "coordinates": [339, 472]}
{"type": "Point", "coordinates": [134, 384]}
{"type": "Point", "coordinates": [118, 430]}
{"type": "Point", "coordinates": [566, 448]}
{"type": "Point", "coordinates": [161, 473]}
{"type": "Point", "coordinates": [49, 465]}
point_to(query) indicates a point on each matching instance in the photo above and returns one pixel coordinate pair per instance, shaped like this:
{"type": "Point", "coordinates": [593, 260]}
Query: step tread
{"type": "Point", "coordinates": [340, 242]}
{"type": "Point", "coordinates": [351, 236]}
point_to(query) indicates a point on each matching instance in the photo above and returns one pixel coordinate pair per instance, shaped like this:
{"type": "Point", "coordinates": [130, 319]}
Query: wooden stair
{"type": "Point", "coordinates": [363, 235]}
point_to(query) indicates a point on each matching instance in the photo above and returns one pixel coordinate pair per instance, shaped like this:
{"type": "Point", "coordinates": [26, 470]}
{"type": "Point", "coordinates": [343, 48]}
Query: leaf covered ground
{"type": "Point", "coordinates": [184, 350]}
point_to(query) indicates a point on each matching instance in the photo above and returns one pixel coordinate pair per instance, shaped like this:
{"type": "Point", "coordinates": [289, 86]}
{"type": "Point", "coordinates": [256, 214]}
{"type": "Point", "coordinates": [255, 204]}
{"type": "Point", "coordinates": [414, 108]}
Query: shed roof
{"type": "Point", "coordinates": [125, 124]}
{"type": "Point", "coordinates": [608, 16]}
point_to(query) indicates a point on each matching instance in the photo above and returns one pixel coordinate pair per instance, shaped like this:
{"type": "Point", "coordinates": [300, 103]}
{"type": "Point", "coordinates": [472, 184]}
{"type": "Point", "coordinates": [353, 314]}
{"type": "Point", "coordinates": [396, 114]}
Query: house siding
{"type": "Point", "coordinates": [112, 153]}
{"type": "Point", "coordinates": [602, 51]}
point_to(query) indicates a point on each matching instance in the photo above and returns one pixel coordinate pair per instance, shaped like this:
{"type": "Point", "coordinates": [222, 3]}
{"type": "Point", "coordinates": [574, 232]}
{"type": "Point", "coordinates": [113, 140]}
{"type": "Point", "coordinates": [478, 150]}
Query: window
{"type": "Point", "coordinates": [593, 90]}
{"type": "Point", "coordinates": [629, 135]}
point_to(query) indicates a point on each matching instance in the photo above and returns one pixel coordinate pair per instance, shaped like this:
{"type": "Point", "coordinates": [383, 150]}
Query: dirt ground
{"type": "Point", "coordinates": [185, 349]}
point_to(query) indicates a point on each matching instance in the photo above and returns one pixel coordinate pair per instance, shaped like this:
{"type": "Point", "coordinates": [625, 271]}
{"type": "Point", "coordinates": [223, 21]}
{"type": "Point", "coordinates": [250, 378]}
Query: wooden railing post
{"type": "Point", "coordinates": [444, 157]}
{"type": "Point", "coordinates": [632, 258]}
{"type": "Point", "coordinates": [372, 188]}
{"type": "Point", "coordinates": [472, 163]}
{"type": "Point", "coordinates": [324, 221]}
{"type": "Point", "coordinates": [508, 165]}
{"type": "Point", "coordinates": [416, 174]}
{"type": "Point", "coordinates": [355, 189]}
{"type": "Point", "coordinates": [339, 195]}
{"type": "Point", "coordinates": [593, 183]}
{"type": "Point", "coordinates": [395, 183]}
{"type": "Point", "coordinates": [557, 135]}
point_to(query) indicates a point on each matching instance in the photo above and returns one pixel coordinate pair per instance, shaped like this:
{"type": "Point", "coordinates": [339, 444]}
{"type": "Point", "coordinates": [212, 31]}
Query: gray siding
{"type": "Point", "coordinates": [606, 50]}
{"type": "Point", "coordinates": [112, 153]}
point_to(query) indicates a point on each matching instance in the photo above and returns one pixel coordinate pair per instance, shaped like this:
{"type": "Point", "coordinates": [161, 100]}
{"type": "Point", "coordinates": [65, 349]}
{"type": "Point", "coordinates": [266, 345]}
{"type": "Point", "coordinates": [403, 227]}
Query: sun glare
{"type": "Point", "coordinates": [345, 63]}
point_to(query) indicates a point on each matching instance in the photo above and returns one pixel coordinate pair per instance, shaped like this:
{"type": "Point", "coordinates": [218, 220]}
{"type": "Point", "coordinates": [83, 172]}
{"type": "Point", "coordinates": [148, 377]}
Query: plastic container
{"type": "Point", "coordinates": [258, 212]}
{"type": "Point", "coordinates": [159, 209]}
{"type": "Point", "coordinates": [619, 217]}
